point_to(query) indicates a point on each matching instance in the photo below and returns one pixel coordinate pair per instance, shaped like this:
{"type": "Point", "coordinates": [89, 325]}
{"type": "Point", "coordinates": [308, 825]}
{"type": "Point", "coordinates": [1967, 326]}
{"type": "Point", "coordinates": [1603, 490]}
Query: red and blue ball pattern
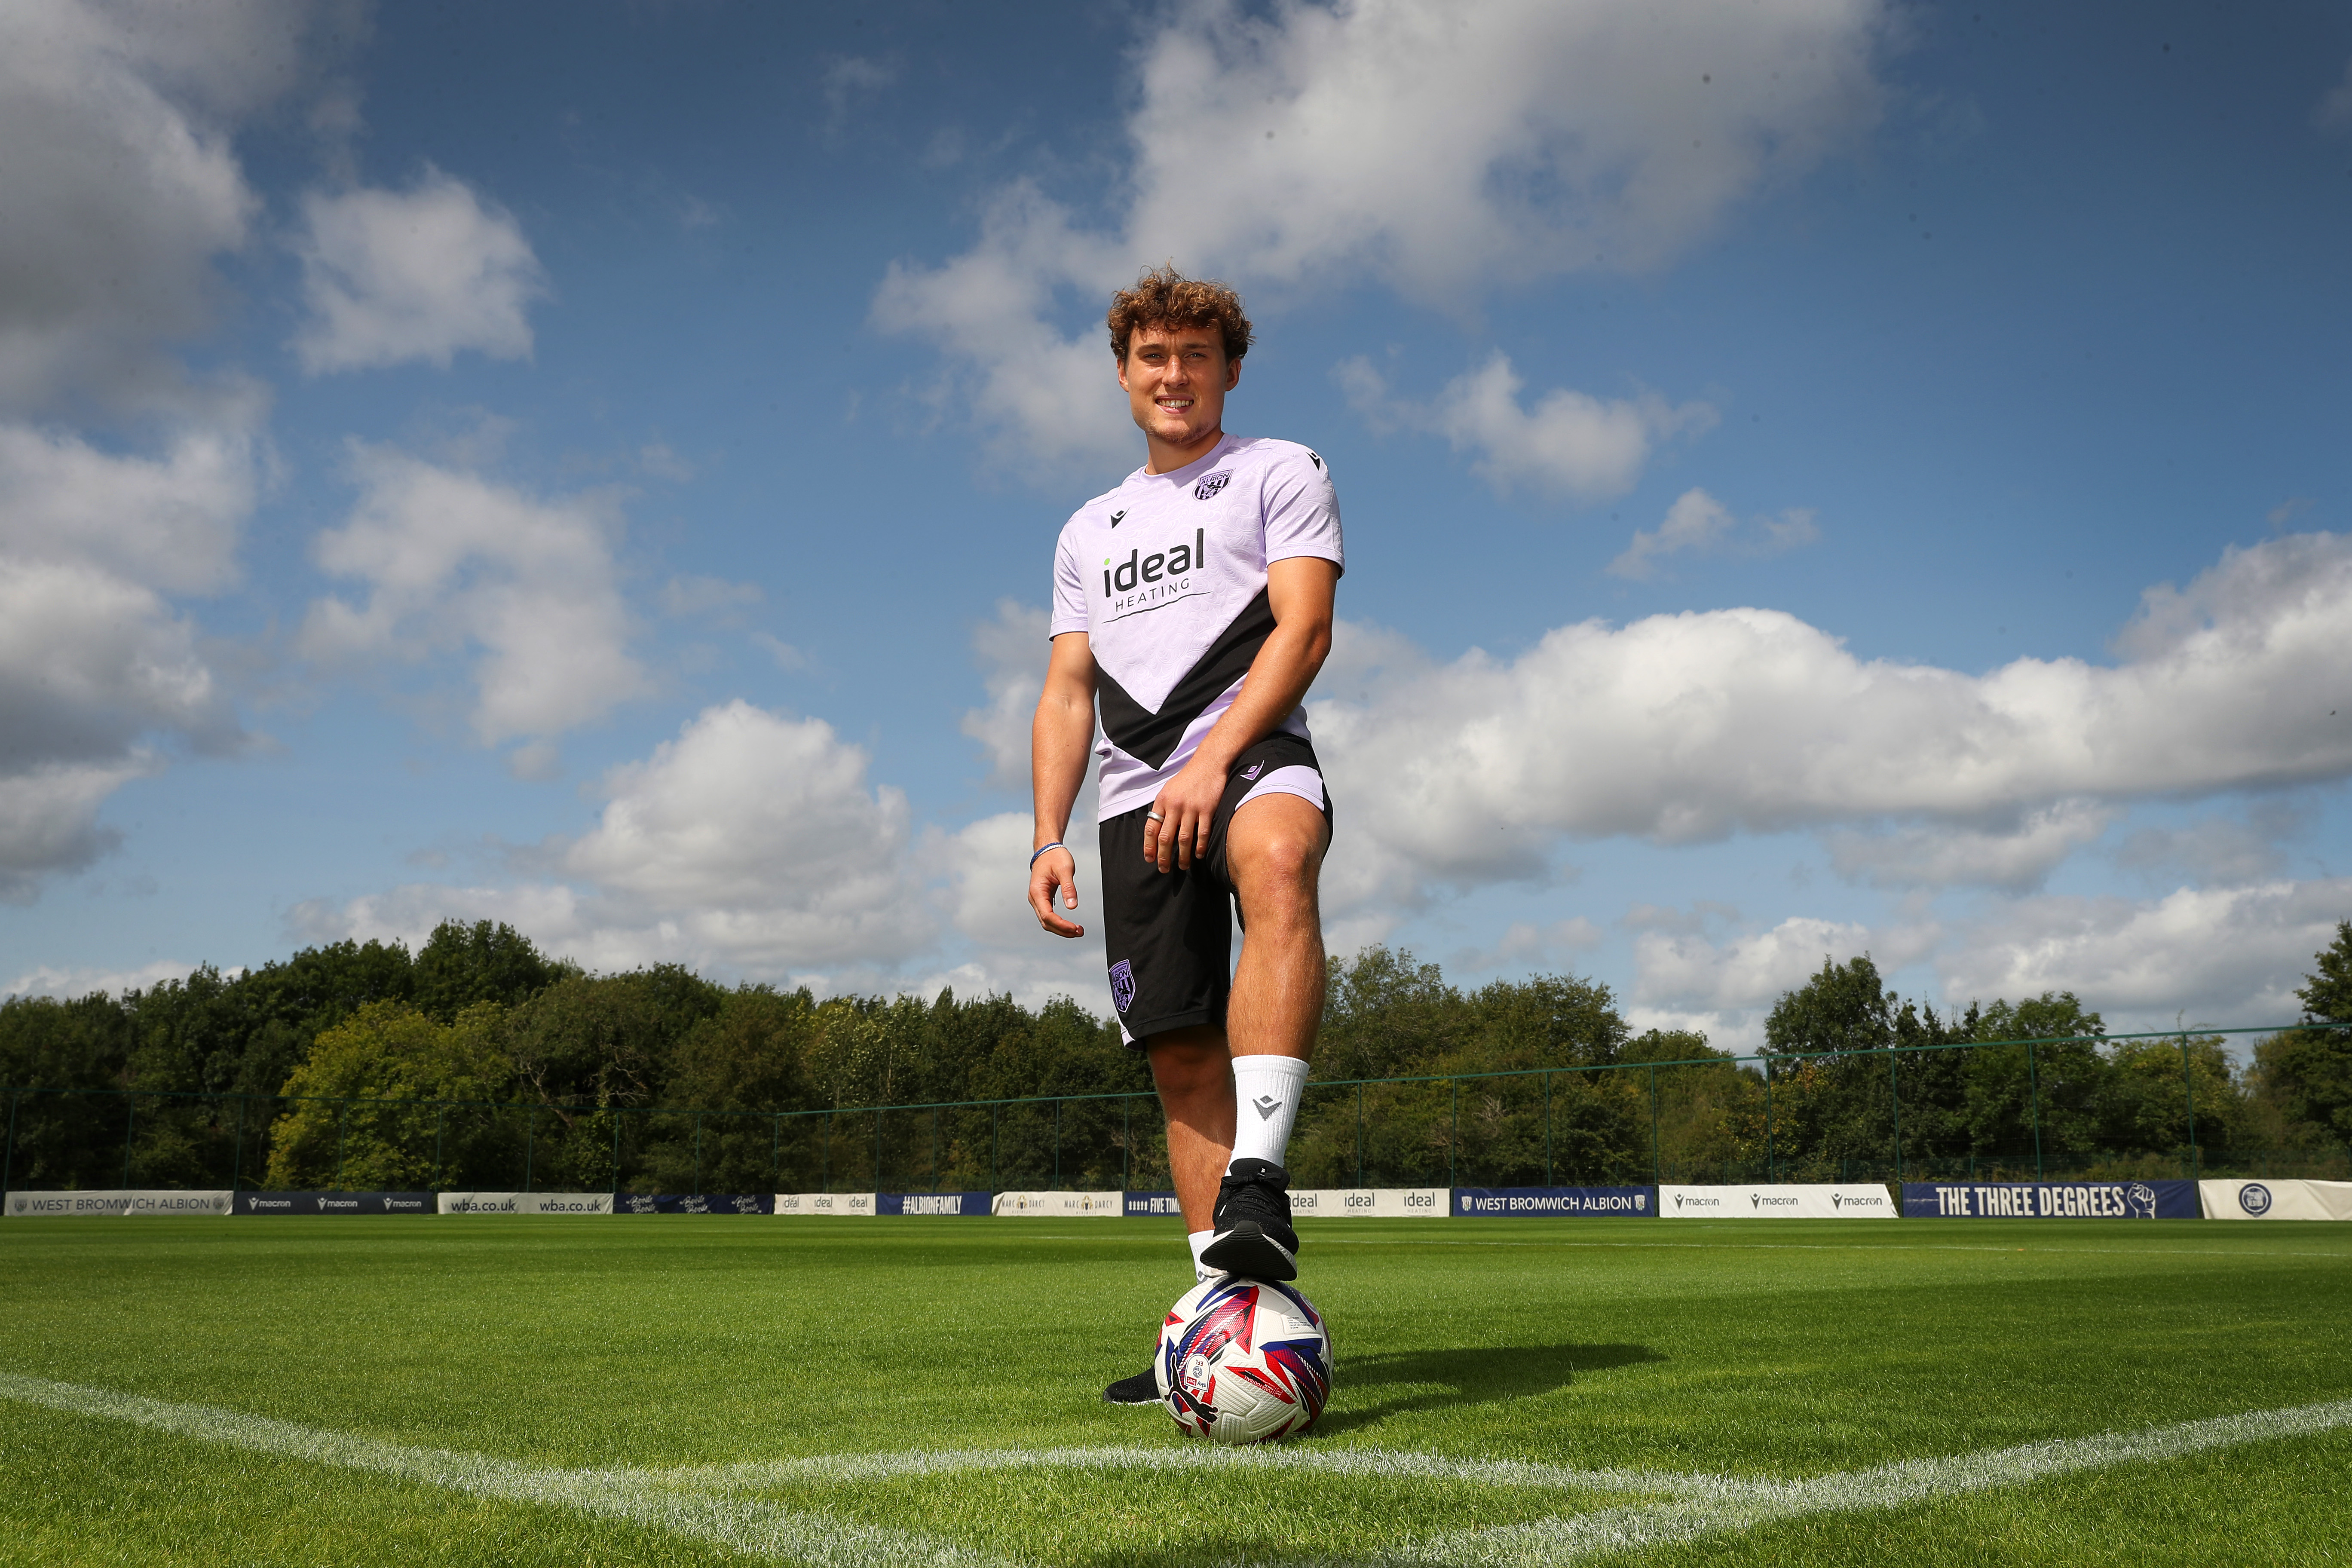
{"type": "Point", "coordinates": [1243, 1361]}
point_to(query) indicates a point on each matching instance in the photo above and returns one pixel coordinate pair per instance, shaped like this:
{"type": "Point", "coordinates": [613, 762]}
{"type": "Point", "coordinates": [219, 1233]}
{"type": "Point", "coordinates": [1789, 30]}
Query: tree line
{"type": "Point", "coordinates": [479, 1061]}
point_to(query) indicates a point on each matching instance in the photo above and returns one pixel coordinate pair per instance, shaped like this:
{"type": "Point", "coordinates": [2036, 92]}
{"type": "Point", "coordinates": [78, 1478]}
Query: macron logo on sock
{"type": "Point", "coordinates": [1265, 1107]}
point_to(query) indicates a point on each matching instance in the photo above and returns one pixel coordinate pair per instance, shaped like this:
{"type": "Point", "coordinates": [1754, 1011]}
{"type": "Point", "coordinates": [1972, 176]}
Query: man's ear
{"type": "Point", "coordinates": [1118, 368]}
{"type": "Point", "coordinates": [1232, 373]}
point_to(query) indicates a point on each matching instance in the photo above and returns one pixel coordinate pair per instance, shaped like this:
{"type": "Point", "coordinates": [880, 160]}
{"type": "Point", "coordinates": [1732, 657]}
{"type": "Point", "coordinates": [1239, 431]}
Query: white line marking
{"type": "Point", "coordinates": [679, 1500]}
{"type": "Point", "coordinates": [1384, 1462]}
{"type": "Point", "coordinates": [639, 1497]}
{"type": "Point", "coordinates": [1883, 1487]}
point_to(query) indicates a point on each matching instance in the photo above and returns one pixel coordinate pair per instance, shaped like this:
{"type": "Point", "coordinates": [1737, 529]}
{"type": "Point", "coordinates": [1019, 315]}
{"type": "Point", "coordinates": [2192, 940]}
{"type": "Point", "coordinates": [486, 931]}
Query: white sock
{"type": "Point", "coordinates": [1198, 1240]}
{"type": "Point", "coordinates": [1266, 1105]}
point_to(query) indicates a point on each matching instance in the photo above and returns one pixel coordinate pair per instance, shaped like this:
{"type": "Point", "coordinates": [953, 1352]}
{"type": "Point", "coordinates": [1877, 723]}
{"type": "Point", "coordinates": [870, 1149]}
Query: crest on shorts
{"type": "Point", "coordinates": [1211, 485]}
{"type": "Point", "coordinates": [1122, 986]}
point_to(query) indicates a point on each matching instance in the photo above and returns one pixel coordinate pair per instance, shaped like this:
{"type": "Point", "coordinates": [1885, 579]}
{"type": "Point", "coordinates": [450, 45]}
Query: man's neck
{"type": "Point", "coordinates": [1166, 459]}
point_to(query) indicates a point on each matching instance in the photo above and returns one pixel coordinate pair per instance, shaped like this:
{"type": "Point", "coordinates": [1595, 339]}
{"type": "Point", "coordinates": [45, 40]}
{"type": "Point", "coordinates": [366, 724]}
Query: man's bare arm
{"type": "Point", "coordinates": [1061, 737]}
{"type": "Point", "coordinates": [1299, 591]}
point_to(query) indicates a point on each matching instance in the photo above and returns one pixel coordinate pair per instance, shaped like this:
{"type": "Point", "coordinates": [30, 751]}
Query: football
{"type": "Point", "coordinates": [1243, 1361]}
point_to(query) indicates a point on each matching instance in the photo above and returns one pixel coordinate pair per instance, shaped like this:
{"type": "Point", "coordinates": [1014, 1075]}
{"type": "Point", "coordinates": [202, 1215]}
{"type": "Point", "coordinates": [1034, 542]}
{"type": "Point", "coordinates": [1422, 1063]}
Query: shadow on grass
{"type": "Point", "coordinates": [1400, 1380]}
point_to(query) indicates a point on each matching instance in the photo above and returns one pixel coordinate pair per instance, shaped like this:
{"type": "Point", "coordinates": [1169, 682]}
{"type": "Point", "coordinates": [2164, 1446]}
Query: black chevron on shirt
{"type": "Point", "coordinates": [1151, 738]}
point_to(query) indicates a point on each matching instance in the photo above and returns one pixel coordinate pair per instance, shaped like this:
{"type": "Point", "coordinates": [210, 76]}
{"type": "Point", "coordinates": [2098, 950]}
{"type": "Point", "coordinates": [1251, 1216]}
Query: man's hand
{"type": "Point", "coordinates": [1057, 870]}
{"type": "Point", "coordinates": [1186, 805]}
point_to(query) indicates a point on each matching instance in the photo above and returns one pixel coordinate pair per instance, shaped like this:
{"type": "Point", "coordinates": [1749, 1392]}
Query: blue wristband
{"type": "Point", "coordinates": [1057, 843]}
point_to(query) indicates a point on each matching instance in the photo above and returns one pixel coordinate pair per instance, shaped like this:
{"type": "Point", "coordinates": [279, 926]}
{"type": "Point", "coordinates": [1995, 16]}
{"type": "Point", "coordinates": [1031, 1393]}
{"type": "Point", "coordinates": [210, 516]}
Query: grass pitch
{"type": "Point", "coordinates": [673, 1389]}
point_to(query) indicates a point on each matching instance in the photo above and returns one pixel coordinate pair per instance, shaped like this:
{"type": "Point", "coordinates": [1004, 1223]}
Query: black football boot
{"type": "Point", "coordinates": [1255, 1239]}
{"type": "Point", "coordinates": [1144, 1388]}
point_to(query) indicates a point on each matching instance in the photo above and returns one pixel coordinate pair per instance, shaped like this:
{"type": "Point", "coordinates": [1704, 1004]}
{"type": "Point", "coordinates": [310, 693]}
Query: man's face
{"type": "Point", "coordinates": [1176, 380]}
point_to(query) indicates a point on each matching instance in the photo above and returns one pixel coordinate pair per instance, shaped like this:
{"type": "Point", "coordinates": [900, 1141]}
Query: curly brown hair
{"type": "Point", "coordinates": [1163, 297]}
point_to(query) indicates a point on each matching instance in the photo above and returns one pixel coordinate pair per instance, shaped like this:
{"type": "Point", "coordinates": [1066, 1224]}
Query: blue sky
{"type": "Point", "coordinates": [1819, 477]}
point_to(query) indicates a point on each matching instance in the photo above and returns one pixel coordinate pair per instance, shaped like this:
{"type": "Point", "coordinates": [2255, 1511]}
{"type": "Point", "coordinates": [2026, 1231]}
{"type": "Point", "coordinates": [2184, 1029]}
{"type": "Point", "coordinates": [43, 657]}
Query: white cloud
{"type": "Point", "coordinates": [452, 560]}
{"type": "Point", "coordinates": [751, 843]}
{"type": "Point", "coordinates": [1569, 443]}
{"type": "Point", "coordinates": [1527, 944]}
{"type": "Point", "coordinates": [2223, 956]}
{"type": "Point", "coordinates": [96, 668]}
{"type": "Point", "coordinates": [71, 985]}
{"type": "Point", "coordinates": [2334, 111]}
{"type": "Point", "coordinates": [1441, 150]}
{"type": "Point", "coordinates": [1682, 968]}
{"type": "Point", "coordinates": [171, 521]}
{"type": "Point", "coordinates": [119, 184]}
{"type": "Point", "coordinates": [1043, 397]}
{"type": "Point", "coordinates": [1685, 728]}
{"type": "Point", "coordinates": [2016, 854]}
{"type": "Point", "coordinates": [710, 598]}
{"type": "Point", "coordinates": [1012, 650]}
{"type": "Point", "coordinates": [1446, 147]}
{"type": "Point", "coordinates": [847, 77]}
{"type": "Point", "coordinates": [986, 898]}
{"type": "Point", "coordinates": [420, 274]}
{"type": "Point", "coordinates": [2217, 851]}
{"type": "Point", "coordinates": [1702, 525]}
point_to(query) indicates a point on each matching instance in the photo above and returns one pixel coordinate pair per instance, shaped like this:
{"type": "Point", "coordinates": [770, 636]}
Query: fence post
{"type": "Point", "coordinates": [1057, 1145]}
{"type": "Point", "coordinates": [1454, 1136]}
{"type": "Point", "coordinates": [1658, 1165]}
{"type": "Point", "coordinates": [2189, 1091]}
{"type": "Point", "coordinates": [342, 1139]}
{"type": "Point", "coordinates": [1360, 1134]}
{"type": "Point", "coordinates": [775, 1151]}
{"type": "Point", "coordinates": [698, 1153]}
{"type": "Point", "coordinates": [1770, 1165]}
{"type": "Point", "coordinates": [1126, 1142]}
{"type": "Point", "coordinates": [529, 1145]}
{"type": "Point", "coordinates": [616, 1148]}
{"type": "Point", "coordinates": [1897, 1084]}
{"type": "Point", "coordinates": [1547, 1127]}
{"type": "Point", "coordinates": [2034, 1087]}
{"type": "Point", "coordinates": [237, 1157]}
{"type": "Point", "coordinates": [996, 1145]}
{"type": "Point", "coordinates": [824, 1167]}
{"type": "Point", "coordinates": [8, 1166]}
{"type": "Point", "coordinates": [877, 1148]}
{"type": "Point", "coordinates": [935, 1148]}
{"type": "Point", "coordinates": [129, 1111]}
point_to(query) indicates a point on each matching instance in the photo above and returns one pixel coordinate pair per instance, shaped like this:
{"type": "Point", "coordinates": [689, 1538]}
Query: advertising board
{"type": "Point", "coordinates": [1368, 1202]}
{"type": "Point", "coordinates": [694, 1203]}
{"type": "Point", "coordinates": [1059, 1205]}
{"type": "Point", "coordinates": [973, 1205]}
{"type": "Point", "coordinates": [1778, 1200]}
{"type": "Point", "coordinates": [822, 1204]}
{"type": "Point", "coordinates": [2276, 1199]}
{"type": "Point", "coordinates": [526, 1203]}
{"type": "Point", "coordinates": [138, 1201]}
{"type": "Point", "coordinates": [333, 1203]}
{"type": "Point", "coordinates": [2050, 1200]}
{"type": "Point", "coordinates": [1572, 1203]}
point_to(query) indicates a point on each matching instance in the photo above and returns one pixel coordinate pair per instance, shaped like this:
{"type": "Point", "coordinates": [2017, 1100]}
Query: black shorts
{"type": "Point", "coordinates": [1169, 935]}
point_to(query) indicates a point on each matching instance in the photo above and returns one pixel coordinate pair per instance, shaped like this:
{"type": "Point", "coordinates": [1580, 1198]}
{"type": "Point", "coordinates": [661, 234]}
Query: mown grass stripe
{"type": "Point", "coordinates": [681, 1501]}
{"type": "Point", "coordinates": [1851, 1491]}
{"type": "Point", "coordinates": [641, 1498]}
{"type": "Point", "coordinates": [1352, 1462]}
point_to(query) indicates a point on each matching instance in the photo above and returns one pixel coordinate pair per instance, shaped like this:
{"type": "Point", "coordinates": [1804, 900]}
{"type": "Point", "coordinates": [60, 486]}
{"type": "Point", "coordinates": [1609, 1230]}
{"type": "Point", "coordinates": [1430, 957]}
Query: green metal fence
{"type": "Point", "coordinates": [1979, 1110]}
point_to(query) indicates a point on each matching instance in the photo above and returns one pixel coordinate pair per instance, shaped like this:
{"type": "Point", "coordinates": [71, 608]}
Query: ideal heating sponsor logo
{"type": "Point", "coordinates": [1146, 581]}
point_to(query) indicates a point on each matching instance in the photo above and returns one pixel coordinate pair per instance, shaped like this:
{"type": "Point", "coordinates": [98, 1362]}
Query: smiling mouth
{"type": "Point", "coordinates": [1174, 405]}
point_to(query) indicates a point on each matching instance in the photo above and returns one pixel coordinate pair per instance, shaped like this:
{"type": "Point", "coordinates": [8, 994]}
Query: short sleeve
{"type": "Point", "coordinates": [1069, 590]}
{"type": "Point", "coordinates": [1302, 510]}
